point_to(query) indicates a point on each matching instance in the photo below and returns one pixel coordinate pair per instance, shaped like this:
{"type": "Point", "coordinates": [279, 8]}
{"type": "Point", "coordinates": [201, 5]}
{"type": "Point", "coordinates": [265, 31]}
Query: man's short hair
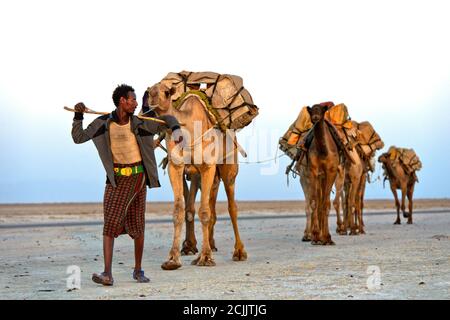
{"type": "Point", "coordinates": [121, 91]}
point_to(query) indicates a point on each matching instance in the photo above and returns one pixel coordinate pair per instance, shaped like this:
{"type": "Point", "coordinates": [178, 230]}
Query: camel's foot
{"type": "Point", "coordinates": [171, 265]}
{"type": "Point", "coordinates": [213, 246]}
{"type": "Point", "coordinates": [239, 255]}
{"type": "Point", "coordinates": [339, 228]}
{"type": "Point", "coordinates": [315, 238]}
{"type": "Point", "coordinates": [362, 231]}
{"type": "Point", "coordinates": [306, 238]}
{"type": "Point", "coordinates": [188, 248]}
{"type": "Point", "coordinates": [204, 260]}
{"type": "Point", "coordinates": [328, 242]}
{"type": "Point", "coordinates": [354, 232]}
{"type": "Point", "coordinates": [405, 215]}
{"type": "Point", "coordinates": [397, 222]}
{"type": "Point", "coordinates": [409, 222]}
{"type": "Point", "coordinates": [316, 241]}
{"type": "Point", "coordinates": [343, 232]}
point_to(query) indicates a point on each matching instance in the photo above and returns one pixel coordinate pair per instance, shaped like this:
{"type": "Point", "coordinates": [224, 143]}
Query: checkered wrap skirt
{"type": "Point", "coordinates": [124, 206]}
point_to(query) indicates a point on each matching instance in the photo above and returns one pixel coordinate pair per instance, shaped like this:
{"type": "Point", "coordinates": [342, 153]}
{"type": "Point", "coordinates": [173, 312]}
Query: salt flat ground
{"type": "Point", "coordinates": [408, 261]}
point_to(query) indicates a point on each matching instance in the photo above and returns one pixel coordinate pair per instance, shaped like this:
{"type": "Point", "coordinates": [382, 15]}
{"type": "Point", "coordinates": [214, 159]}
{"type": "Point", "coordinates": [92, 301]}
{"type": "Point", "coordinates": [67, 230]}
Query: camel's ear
{"type": "Point", "coordinates": [153, 91]}
{"type": "Point", "coordinates": [325, 108]}
{"type": "Point", "coordinates": [145, 98]}
{"type": "Point", "coordinates": [172, 91]}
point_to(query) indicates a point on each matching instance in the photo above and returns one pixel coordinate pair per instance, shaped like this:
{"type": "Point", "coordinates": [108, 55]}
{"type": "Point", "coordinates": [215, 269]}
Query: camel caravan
{"type": "Point", "coordinates": [328, 149]}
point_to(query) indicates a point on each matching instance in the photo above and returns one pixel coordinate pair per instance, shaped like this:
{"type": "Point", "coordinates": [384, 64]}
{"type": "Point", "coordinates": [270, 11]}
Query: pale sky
{"type": "Point", "coordinates": [388, 61]}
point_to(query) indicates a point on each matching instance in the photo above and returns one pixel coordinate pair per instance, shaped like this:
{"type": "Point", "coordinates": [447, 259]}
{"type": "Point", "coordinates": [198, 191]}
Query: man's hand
{"type": "Point", "coordinates": [80, 107]}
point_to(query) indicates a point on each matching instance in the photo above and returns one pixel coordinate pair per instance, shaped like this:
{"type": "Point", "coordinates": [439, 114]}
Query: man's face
{"type": "Point", "coordinates": [129, 104]}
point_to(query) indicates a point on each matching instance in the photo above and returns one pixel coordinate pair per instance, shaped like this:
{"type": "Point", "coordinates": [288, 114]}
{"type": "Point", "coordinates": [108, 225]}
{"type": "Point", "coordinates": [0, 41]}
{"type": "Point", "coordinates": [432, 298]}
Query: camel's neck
{"type": "Point", "coordinates": [323, 138]}
{"type": "Point", "coordinates": [390, 170]}
{"type": "Point", "coordinates": [192, 114]}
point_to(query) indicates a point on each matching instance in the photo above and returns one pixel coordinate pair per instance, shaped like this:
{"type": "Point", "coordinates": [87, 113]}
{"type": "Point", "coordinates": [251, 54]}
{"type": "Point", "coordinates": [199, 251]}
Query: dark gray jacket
{"type": "Point", "coordinates": [144, 130]}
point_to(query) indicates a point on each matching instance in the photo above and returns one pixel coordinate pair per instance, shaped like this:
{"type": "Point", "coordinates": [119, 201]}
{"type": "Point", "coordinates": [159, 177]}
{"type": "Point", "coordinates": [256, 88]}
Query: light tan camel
{"type": "Point", "coordinates": [399, 179]}
{"type": "Point", "coordinates": [318, 170]}
{"type": "Point", "coordinates": [350, 186]}
{"type": "Point", "coordinates": [192, 113]}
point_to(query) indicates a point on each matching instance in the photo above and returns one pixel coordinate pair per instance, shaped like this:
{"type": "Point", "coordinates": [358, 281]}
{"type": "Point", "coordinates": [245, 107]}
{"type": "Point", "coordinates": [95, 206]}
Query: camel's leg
{"type": "Point", "coordinates": [190, 242]}
{"type": "Point", "coordinates": [345, 220]}
{"type": "Point", "coordinates": [359, 205]}
{"type": "Point", "coordinates": [363, 191]}
{"type": "Point", "coordinates": [306, 192]}
{"type": "Point", "coordinates": [205, 257]}
{"type": "Point", "coordinates": [212, 206]}
{"type": "Point", "coordinates": [339, 184]}
{"type": "Point", "coordinates": [229, 178]}
{"type": "Point", "coordinates": [327, 185]}
{"type": "Point", "coordinates": [176, 180]}
{"type": "Point", "coordinates": [314, 204]}
{"type": "Point", "coordinates": [350, 204]}
{"type": "Point", "coordinates": [403, 207]}
{"type": "Point", "coordinates": [307, 232]}
{"type": "Point", "coordinates": [410, 202]}
{"type": "Point", "coordinates": [397, 203]}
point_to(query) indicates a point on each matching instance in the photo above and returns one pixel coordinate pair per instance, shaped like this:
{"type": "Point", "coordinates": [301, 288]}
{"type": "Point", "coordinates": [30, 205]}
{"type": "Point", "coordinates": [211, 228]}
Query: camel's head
{"type": "Point", "coordinates": [159, 96]}
{"type": "Point", "coordinates": [317, 112]}
{"type": "Point", "coordinates": [383, 158]}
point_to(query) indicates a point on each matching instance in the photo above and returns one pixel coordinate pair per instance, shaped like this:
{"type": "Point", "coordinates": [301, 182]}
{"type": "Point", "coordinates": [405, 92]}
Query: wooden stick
{"type": "Point", "coordinates": [151, 119]}
{"type": "Point", "coordinates": [103, 113]}
{"type": "Point", "coordinates": [87, 111]}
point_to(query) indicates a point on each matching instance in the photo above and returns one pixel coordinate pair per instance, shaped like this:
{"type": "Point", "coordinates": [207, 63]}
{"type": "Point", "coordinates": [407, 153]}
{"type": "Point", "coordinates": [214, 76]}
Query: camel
{"type": "Point", "coordinates": [318, 170]}
{"type": "Point", "coordinates": [399, 179]}
{"type": "Point", "coordinates": [350, 186]}
{"type": "Point", "coordinates": [350, 183]}
{"type": "Point", "coordinates": [192, 113]}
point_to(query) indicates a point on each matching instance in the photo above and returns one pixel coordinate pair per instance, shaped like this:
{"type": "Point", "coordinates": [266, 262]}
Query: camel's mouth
{"type": "Point", "coordinates": [315, 119]}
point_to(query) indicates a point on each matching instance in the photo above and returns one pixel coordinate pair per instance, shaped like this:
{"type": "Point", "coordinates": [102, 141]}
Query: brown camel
{"type": "Point", "coordinates": [192, 113]}
{"type": "Point", "coordinates": [318, 170]}
{"type": "Point", "coordinates": [399, 179]}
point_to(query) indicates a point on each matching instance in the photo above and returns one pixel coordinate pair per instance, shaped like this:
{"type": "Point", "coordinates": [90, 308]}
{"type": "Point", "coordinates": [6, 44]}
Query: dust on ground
{"type": "Point", "coordinates": [389, 262]}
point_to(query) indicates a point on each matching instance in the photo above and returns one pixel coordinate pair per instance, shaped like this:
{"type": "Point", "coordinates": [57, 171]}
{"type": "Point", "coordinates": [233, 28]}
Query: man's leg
{"type": "Point", "coordinates": [106, 277]}
{"type": "Point", "coordinates": [138, 273]}
{"type": "Point", "coordinates": [108, 247]}
{"type": "Point", "coordinates": [138, 250]}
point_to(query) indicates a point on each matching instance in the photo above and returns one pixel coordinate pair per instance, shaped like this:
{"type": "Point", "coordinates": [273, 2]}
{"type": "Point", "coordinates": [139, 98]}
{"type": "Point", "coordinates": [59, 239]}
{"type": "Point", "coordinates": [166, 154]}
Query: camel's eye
{"type": "Point", "coordinates": [167, 94]}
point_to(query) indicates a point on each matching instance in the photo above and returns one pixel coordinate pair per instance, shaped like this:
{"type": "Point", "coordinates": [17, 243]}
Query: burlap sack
{"type": "Point", "coordinates": [368, 138]}
{"type": "Point", "coordinates": [233, 104]}
{"type": "Point", "coordinates": [408, 157]}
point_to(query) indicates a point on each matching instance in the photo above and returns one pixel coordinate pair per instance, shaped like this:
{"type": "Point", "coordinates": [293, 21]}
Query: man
{"type": "Point", "coordinates": [125, 146]}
